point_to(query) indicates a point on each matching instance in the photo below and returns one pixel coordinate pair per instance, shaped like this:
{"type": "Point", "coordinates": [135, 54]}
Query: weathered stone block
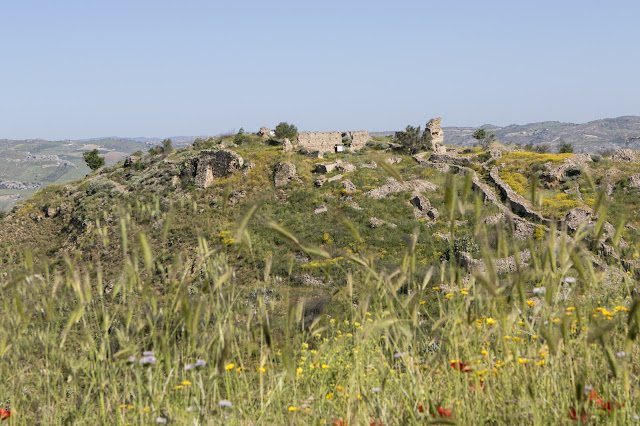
{"type": "Point", "coordinates": [215, 164]}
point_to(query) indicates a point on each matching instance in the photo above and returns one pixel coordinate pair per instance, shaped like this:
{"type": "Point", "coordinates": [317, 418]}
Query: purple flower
{"type": "Point", "coordinates": [399, 355]}
{"type": "Point", "coordinates": [147, 360]}
{"type": "Point", "coordinates": [225, 403]}
{"type": "Point", "coordinates": [148, 353]}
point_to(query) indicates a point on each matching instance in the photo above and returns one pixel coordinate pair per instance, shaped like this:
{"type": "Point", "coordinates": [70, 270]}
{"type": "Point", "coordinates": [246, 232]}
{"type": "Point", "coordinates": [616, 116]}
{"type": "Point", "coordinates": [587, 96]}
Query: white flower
{"type": "Point", "coordinates": [621, 354]}
{"type": "Point", "coordinates": [399, 354]}
{"type": "Point", "coordinates": [539, 290]}
{"type": "Point", "coordinates": [161, 420]}
{"type": "Point", "coordinates": [147, 360]}
{"type": "Point", "coordinates": [570, 280]}
{"type": "Point", "coordinates": [148, 353]}
{"type": "Point", "coordinates": [131, 359]}
{"type": "Point", "coordinates": [225, 403]}
{"type": "Point", "coordinates": [200, 363]}
{"type": "Point", "coordinates": [376, 389]}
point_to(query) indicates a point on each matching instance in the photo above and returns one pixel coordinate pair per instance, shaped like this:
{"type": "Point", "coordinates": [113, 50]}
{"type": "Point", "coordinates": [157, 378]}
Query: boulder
{"type": "Point", "coordinates": [374, 222]}
{"type": "Point", "coordinates": [334, 178]}
{"type": "Point", "coordinates": [393, 160]}
{"type": "Point", "coordinates": [432, 213]}
{"type": "Point", "coordinates": [285, 172]}
{"type": "Point", "coordinates": [345, 167]}
{"type": "Point", "coordinates": [325, 167]}
{"type": "Point", "coordinates": [264, 132]}
{"type": "Point", "coordinates": [634, 181]}
{"type": "Point", "coordinates": [320, 180]}
{"type": "Point", "coordinates": [216, 164]}
{"type": "Point", "coordinates": [349, 187]}
{"type": "Point", "coordinates": [286, 145]}
{"type": "Point", "coordinates": [369, 164]}
{"type": "Point", "coordinates": [576, 216]}
{"type": "Point", "coordinates": [321, 209]}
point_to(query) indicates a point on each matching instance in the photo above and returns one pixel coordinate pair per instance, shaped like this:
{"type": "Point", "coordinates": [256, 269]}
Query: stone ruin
{"type": "Point", "coordinates": [264, 132]}
{"type": "Point", "coordinates": [437, 135]}
{"type": "Point", "coordinates": [327, 141]}
{"type": "Point", "coordinates": [216, 164]}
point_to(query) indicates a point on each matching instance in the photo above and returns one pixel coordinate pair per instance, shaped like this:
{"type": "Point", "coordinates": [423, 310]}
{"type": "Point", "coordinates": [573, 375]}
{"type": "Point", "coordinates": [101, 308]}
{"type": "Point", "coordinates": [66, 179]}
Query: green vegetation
{"type": "Point", "coordinates": [93, 159]}
{"type": "Point", "coordinates": [565, 148]}
{"type": "Point", "coordinates": [286, 130]}
{"type": "Point", "coordinates": [253, 309]}
{"type": "Point", "coordinates": [413, 140]}
{"type": "Point", "coordinates": [484, 138]}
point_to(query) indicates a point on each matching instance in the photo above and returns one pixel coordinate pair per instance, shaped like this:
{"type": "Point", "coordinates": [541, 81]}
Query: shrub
{"type": "Point", "coordinates": [93, 159]}
{"type": "Point", "coordinates": [286, 130]}
{"type": "Point", "coordinates": [167, 146]}
{"type": "Point", "coordinates": [565, 148]}
{"type": "Point", "coordinates": [412, 140]}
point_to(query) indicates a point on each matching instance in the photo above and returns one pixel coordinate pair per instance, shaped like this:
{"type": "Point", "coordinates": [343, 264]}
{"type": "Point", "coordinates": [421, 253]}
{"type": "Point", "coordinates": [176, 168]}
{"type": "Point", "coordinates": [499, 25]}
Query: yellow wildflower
{"type": "Point", "coordinates": [230, 366]}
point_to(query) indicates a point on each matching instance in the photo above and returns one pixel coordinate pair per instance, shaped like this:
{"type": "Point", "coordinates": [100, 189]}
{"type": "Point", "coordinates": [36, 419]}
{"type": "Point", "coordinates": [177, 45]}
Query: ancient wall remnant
{"type": "Point", "coordinates": [327, 141]}
{"type": "Point", "coordinates": [215, 164]}
{"type": "Point", "coordinates": [437, 135]}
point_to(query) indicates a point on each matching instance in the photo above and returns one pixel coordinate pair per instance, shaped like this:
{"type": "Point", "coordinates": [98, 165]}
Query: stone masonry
{"type": "Point", "coordinates": [215, 164]}
{"type": "Point", "coordinates": [437, 135]}
{"type": "Point", "coordinates": [326, 141]}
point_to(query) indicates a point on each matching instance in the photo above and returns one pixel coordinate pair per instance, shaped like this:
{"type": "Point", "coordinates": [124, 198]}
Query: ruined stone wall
{"type": "Point", "coordinates": [214, 164]}
{"type": "Point", "coordinates": [326, 141]}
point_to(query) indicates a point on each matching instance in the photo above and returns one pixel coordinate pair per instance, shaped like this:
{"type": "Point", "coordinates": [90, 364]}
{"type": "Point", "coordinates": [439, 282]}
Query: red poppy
{"type": "Point", "coordinates": [339, 423]}
{"type": "Point", "coordinates": [420, 408]}
{"type": "Point", "coordinates": [376, 423]}
{"type": "Point", "coordinates": [593, 394]}
{"type": "Point", "coordinates": [583, 415]}
{"type": "Point", "coordinates": [4, 414]}
{"type": "Point", "coordinates": [460, 366]}
{"type": "Point", "coordinates": [444, 412]}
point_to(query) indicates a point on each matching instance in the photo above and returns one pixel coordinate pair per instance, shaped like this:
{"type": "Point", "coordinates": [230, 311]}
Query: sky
{"type": "Point", "coordinates": [92, 68]}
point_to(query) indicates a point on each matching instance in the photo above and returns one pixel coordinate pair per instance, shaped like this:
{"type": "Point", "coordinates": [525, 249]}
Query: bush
{"type": "Point", "coordinates": [484, 138]}
{"type": "Point", "coordinates": [93, 159]}
{"type": "Point", "coordinates": [240, 138]}
{"type": "Point", "coordinates": [412, 141]}
{"type": "Point", "coordinates": [167, 146]}
{"type": "Point", "coordinates": [286, 130]}
{"type": "Point", "coordinates": [565, 148]}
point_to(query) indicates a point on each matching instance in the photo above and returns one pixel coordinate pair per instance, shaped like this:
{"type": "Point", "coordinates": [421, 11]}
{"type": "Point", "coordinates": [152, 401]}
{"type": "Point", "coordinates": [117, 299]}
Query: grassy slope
{"type": "Point", "coordinates": [183, 282]}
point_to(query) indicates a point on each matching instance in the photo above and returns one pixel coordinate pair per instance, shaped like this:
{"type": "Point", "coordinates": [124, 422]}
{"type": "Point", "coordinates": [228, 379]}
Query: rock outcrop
{"type": "Point", "coordinates": [348, 186]}
{"type": "Point", "coordinates": [286, 145]}
{"type": "Point", "coordinates": [393, 185]}
{"type": "Point", "coordinates": [634, 181]}
{"type": "Point", "coordinates": [264, 132]}
{"type": "Point", "coordinates": [624, 156]}
{"type": "Point", "coordinates": [216, 164]}
{"type": "Point", "coordinates": [518, 203]}
{"type": "Point", "coordinates": [437, 135]}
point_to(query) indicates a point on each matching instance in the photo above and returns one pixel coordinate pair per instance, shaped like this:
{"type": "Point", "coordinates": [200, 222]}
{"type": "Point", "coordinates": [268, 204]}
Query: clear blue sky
{"type": "Point", "coordinates": [89, 68]}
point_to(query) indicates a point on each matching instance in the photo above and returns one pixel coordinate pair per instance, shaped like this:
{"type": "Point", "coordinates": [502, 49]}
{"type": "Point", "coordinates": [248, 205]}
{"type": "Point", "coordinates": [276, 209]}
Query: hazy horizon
{"type": "Point", "coordinates": [78, 70]}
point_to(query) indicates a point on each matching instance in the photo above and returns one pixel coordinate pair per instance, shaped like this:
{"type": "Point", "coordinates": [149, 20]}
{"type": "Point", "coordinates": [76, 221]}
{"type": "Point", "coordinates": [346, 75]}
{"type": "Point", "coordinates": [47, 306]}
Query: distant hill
{"type": "Point", "coordinates": [591, 137]}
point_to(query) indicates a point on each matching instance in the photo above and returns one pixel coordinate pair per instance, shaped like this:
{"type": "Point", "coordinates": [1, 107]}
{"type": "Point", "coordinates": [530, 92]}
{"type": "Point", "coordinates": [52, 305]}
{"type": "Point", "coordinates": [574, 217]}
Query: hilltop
{"type": "Point", "coordinates": [317, 285]}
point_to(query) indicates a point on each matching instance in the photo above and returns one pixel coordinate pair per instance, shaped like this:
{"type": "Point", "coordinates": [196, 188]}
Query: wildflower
{"type": "Point", "coordinates": [423, 302]}
{"type": "Point", "coordinates": [332, 320]}
{"type": "Point", "coordinates": [240, 369]}
{"type": "Point", "coordinates": [186, 383]}
{"type": "Point", "coordinates": [484, 353]}
{"type": "Point", "coordinates": [443, 412]}
{"type": "Point", "coordinates": [230, 366]}
{"type": "Point", "coordinates": [329, 396]}
{"type": "Point", "coordinates": [149, 359]}
{"type": "Point", "coordinates": [131, 359]}
{"type": "Point", "coordinates": [161, 420]}
{"type": "Point", "coordinates": [4, 414]}
{"type": "Point", "coordinates": [340, 388]}
{"type": "Point", "coordinates": [146, 409]}
{"type": "Point", "coordinates": [534, 336]}
{"type": "Point", "coordinates": [573, 415]}
{"type": "Point", "coordinates": [177, 387]}
{"type": "Point", "coordinates": [325, 366]}
{"type": "Point", "coordinates": [399, 355]}
{"type": "Point", "coordinates": [225, 403]}
{"type": "Point", "coordinates": [491, 321]}
{"type": "Point", "coordinates": [148, 353]}
{"type": "Point", "coordinates": [460, 366]}
{"type": "Point", "coordinates": [621, 354]}
{"type": "Point", "coordinates": [198, 364]}
{"type": "Point", "coordinates": [262, 369]}
{"type": "Point", "coordinates": [339, 423]}
{"type": "Point", "coordinates": [541, 362]}
{"type": "Point", "coordinates": [291, 408]}
{"type": "Point", "coordinates": [374, 390]}
{"type": "Point", "coordinates": [539, 290]}
{"type": "Point", "coordinates": [523, 361]}
{"type": "Point", "coordinates": [448, 295]}
{"type": "Point", "coordinates": [435, 288]}
{"type": "Point", "coordinates": [570, 280]}
{"type": "Point", "coordinates": [531, 302]}
{"type": "Point", "coordinates": [357, 324]}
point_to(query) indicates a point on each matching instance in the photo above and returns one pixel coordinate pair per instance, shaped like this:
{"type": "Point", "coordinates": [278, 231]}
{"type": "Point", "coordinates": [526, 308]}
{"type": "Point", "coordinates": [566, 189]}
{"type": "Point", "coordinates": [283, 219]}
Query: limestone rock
{"type": "Point", "coordinates": [634, 181]}
{"type": "Point", "coordinates": [264, 132]}
{"type": "Point", "coordinates": [393, 185]}
{"type": "Point", "coordinates": [334, 178]}
{"type": "Point", "coordinates": [215, 164]}
{"type": "Point", "coordinates": [310, 280]}
{"type": "Point", "coordinates": [325, 167]}
{"type": "Point", "coordinates": [624, 156]}
{"type": "Point", "coordinates": [446, 237]}
{"type": "Point", "coordinates": [320, 180]}
{"type": "Point", "coordinates": [577, 216]}
{"type": "Point", "coordinates": [369, 164]}
{"type": "Point", "coordinates": [432, 213]}
{"type": "Point", "coordinates": [345, 167]}
{"type": "Point", "coordinates": [311, 153]}
{"type": "Point", "coordinates": [437, 135]}
{"type": "Point", "coordinates": [286, 145]}
{"type": "Point", "coordinates": [350, 202]}
{"type": "Point", "coordinates": [321, 209]}
{"type": "Point", "coordinates": [393, 160]}
{"type": "Point", "coordinates": [285, 172]}
{"type": "Point", "coordinates": [374, 222]}
{"type": "Point", "coordinates": [349, 187]}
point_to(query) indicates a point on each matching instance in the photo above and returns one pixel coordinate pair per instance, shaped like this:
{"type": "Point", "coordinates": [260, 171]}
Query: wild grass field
{"type": "Point", "coordinates": [189, 311]}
